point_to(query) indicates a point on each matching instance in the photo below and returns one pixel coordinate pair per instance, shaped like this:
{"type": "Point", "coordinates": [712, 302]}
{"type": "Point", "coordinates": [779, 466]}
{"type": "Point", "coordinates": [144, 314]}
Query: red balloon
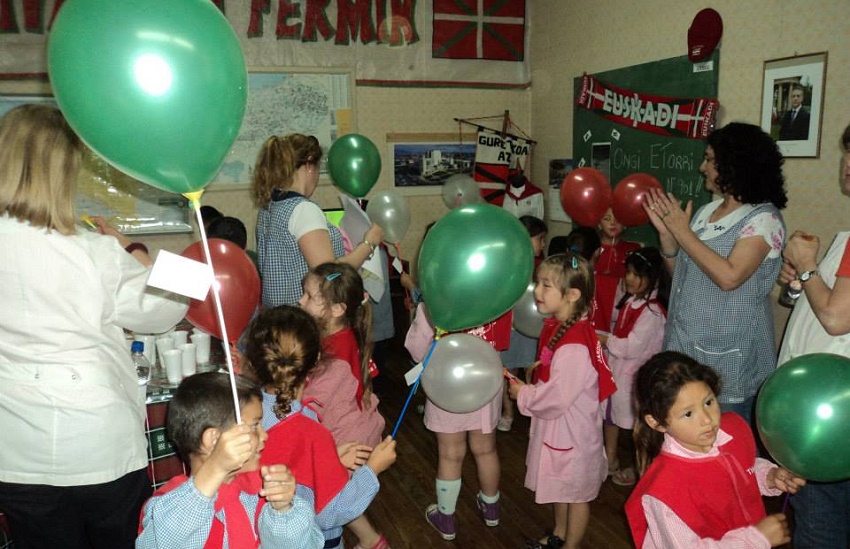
{"type": "Point", "coordinates": [629, 196]}
{"type": "Point", "coordinates": [238, 287]}
{"type": "Point", "coordinates": [586, 196]}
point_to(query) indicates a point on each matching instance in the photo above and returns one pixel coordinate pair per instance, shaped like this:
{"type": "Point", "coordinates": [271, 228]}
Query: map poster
{"type": "Point", "coordinates": [280, 103]}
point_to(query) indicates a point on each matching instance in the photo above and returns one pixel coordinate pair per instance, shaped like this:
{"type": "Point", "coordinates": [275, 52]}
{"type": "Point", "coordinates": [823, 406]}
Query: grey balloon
{"type": "Point", "coordinates": [527, 320]}
{"type": "Point", "coordinates": [460, 190]}
{"type": "Point", "coordinates": [463, 374]}
{"type": "Point", "coordinates": [392, 213]}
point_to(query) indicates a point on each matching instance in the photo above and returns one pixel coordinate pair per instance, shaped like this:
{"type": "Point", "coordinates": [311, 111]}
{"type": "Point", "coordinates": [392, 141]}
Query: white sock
{"type": "Point", "coordinates": [447, 494]}
{"type": "Point", "coordinates": [489, 499]}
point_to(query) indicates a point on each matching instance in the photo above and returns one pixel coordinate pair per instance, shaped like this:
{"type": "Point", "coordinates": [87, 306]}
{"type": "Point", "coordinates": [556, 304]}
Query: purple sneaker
{"type": "Point", "coordinates": [443, 524]}
{"type": "Point", "coordinates": [490, 511]}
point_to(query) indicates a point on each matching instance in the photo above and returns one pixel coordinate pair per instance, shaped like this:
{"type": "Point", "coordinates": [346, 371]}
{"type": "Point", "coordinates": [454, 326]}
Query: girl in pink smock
{"type": "Point", "coordinates": [457, 432]}
{"type": "Point", "coordinates": [609, 268]}
{"type": "Point", "coordinates": [341, 386]}
{"type": "Point", "coordinates": [566, 460]}
{"type": "Point", "coordinates": [637, 336]}
{"type": "Point", "coordinates": [701, 482]}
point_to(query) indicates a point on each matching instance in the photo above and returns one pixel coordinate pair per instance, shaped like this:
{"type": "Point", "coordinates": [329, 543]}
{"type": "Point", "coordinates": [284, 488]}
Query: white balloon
{"type": "Point", "coordinates": [527, 319]}
{"type": "Point", "coordinates": [460, 190]}
{"type": "Point", "coordinates": [463, 374]}
{"type": "Point", "coordinates": [392, 213]}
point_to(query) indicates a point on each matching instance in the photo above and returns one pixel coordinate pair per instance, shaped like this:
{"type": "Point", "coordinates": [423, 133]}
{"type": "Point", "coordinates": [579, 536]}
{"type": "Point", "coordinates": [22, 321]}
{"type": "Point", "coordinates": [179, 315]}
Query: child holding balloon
{"type": "Point", "coordinates": [702, 482]}
{"type": "Point", "coordinates": [523, 345]}
{"type": "Point", "coordinates": [456, 432]}
{"type": "Point", "coordinates": [637, 336]}
{"type": "Point", "coordinates": [342, 385]}
{"type": "Point", "coordinates": [566, 460]}
{"type": "Point", "coordinates": [609, 268]}
{"type": "Point", "coordinates": [282, 350]}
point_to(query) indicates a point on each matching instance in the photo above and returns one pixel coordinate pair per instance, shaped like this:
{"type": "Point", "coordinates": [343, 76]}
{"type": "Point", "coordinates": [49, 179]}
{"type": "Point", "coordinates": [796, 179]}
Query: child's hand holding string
{"type": "Point", "coordinates": [514, 383]}
{"type": "Point", "coordinates": [383, 455]}
{"type": "Point", "coordinates": [780, 478]}
{"type": "Point", "coordinates": [278, 486]}
{"type": "Point", "coordinates": [353, 455]}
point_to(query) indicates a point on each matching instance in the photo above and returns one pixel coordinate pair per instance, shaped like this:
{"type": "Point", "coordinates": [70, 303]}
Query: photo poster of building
{"type": "Point", "coordinates": [430, 164]}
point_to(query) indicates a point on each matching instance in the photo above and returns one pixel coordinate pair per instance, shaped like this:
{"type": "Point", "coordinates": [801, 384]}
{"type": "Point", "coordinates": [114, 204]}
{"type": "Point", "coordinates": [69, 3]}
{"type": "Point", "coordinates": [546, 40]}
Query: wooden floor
{"type": "Point", "coordinates": [408, 487]}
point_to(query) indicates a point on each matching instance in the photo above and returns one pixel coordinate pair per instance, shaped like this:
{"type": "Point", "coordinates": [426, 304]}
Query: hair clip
{"type": "Point", "coordinates": [365, 298]}
{"type": "Point", "coordinates": [574, 263]}
{"type": "Point", "coordinates": [640, 255]}
{"type": "Point", "coordinates": [333, 276]}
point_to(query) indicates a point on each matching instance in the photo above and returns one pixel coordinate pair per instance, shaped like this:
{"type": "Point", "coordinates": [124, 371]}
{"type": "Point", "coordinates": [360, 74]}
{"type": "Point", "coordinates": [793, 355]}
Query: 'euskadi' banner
{"type": "Point", "coordinates": [480, 43]}
{"type": "Point", "coordinates": [676, 117]}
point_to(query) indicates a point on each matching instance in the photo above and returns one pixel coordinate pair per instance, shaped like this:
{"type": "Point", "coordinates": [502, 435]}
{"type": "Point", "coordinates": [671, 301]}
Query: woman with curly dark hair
{"type": "Point", "coordinates": [725, 261]}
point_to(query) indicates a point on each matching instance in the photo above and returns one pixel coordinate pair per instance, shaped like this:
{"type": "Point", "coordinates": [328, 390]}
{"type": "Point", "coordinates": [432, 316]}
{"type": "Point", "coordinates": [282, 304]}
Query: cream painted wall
{"type": "Point", "coordinates": [569, 38]}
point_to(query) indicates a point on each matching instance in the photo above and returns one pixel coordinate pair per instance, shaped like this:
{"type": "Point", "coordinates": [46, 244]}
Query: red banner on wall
{"type": "Point", "coordinates": [691, 117]}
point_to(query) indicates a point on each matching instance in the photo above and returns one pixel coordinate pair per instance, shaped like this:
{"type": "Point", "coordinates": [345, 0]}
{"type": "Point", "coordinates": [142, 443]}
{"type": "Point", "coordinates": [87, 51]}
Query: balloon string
{"type": "Point", "coordinates": [196, 204]}
{"type": "Point", "coordinates": [415, 384]}
{"type": "Point", "coordinates": [785, 503]}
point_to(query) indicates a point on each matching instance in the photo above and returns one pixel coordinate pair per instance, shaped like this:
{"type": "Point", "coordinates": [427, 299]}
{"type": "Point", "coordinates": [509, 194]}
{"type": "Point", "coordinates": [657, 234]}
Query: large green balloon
{"type": "Point", "coordinates": [156, 87]}
{"type": "Point", "coordinates": [474, 265]}
{"type": "Point", "coordinates": [803, 416]}
{"type": "Point", "coordinates": [354, 164]}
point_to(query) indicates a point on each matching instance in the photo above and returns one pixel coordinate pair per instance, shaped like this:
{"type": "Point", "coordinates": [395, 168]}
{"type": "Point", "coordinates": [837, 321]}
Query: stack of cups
{"type": "Point", "coordinates": [202, 347]}
{"type": "Point", "coordinates": [163, 344]}
{"type": "Point", "coordinates": [172, 361]}
{"type": "Point", "coordinates": [189, 365]}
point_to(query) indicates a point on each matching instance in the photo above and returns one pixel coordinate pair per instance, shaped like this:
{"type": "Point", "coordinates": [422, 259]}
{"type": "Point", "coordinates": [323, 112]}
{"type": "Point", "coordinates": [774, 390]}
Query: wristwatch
{"type": "Point", "coordinates": [807, 275]}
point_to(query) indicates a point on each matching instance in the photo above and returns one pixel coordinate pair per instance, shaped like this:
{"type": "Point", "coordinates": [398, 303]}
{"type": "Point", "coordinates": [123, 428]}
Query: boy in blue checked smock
{"type": "Point", "coordinates": [229, 501]}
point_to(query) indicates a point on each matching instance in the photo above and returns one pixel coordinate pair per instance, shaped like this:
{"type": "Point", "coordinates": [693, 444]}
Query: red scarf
{"type": "Point", "coordinates": [629, 315]}
{"type": "Point", "coordinates": [343, 345]}
{"type": "Point", "coordinates": [240, 531]}
{"type": "Point", "coordinates": [307, 448]}
{"type": "Point", "coordinates": [582, 333]}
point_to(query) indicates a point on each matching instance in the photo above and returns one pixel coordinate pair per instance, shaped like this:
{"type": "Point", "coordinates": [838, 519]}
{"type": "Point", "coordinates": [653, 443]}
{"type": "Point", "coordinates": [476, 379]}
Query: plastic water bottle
{"type": "Point", "coordinates": [143, 367]}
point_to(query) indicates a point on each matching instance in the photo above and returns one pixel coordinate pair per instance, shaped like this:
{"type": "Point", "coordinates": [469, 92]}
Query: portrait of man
{"type": "Point", "coordinates": [795, 121]}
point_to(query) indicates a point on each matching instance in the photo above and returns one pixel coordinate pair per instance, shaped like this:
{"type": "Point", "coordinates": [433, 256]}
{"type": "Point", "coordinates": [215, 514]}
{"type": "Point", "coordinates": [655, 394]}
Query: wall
{"type": "Point", "coordinates": [380, 111]}
{"type": "Point", "coordinates": [571, 38]}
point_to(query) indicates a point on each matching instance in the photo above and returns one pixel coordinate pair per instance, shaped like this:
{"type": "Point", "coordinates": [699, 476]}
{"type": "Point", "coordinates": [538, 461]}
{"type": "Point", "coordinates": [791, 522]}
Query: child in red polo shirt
{"type": "Point", "coordinates": [701, 481]}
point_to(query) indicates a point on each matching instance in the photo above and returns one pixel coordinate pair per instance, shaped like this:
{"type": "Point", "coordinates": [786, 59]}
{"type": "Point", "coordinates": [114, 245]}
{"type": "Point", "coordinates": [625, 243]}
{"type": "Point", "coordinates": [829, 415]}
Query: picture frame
{"type": "Point", "coordinates": [423, 162]}
{"type": "Point", "coordinates": [794, 84]}
{"type": "Point", "coordinates": [132, 207]}
{"type": "Point", "coordinates": [284, 100]}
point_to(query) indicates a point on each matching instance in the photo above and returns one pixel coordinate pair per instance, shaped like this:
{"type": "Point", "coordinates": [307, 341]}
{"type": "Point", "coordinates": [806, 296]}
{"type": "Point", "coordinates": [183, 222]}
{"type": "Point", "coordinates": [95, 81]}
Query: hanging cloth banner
{"type": "Point", "coordinates": [498, 157]}
{"type": "Point", "coordinates": [692, 118]}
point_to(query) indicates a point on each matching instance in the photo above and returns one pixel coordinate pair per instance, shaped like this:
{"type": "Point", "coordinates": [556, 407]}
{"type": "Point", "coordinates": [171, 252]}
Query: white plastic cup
{"type": "Point", "coordinates": [202, 347]}
{"type": "Point", "coordinates": [173, 359]}
{"type": "Point", "coordinates": [180, 337]}
{"type": "Point", "coordinates": [163, 344]}
{"type": "Point", "coordinates": [188, 364]}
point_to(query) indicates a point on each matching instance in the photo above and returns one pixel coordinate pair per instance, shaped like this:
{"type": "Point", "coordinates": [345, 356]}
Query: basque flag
{"type": "Point", "coordinates": [479, 29]}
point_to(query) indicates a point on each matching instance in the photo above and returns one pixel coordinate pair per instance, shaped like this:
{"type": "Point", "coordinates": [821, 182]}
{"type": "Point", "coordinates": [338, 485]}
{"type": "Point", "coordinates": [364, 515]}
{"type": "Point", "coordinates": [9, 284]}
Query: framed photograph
{"type": "Point", "coordinates": [281, 101]}
{"type": "Point", "coordinates": [792, 103]}
{"type": "Point", "coordinates": [558, 170]}
{"type": "Point", "coordinates": [422, 163]}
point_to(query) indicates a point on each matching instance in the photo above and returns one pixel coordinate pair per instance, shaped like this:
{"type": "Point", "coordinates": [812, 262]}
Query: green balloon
{"type": "Point", "coordinates": [474, 265]}
{"type": "Point", "coordinates": [803, 416]}
{"type": "Point", "coordinates": [157, 88]}
{"type": "Point", "coordinates": [354, 164]}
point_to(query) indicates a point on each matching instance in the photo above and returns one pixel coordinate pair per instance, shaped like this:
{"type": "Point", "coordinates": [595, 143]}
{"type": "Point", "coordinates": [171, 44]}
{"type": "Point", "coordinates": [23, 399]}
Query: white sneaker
{"type": "Point", "coordinates": [505, 424]}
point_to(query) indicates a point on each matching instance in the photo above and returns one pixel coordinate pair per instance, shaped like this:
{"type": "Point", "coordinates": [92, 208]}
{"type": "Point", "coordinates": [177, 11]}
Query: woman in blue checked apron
{"type": "Point", "coordinates": [725, 262]}
{"type": "Point", "coordinates": [293, 234]}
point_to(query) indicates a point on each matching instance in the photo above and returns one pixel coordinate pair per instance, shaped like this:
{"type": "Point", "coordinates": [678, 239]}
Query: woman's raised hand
{"type": "Point", "coordinates": [666, 213]}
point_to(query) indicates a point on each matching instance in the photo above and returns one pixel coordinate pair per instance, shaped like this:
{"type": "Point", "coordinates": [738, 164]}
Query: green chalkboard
{"type": "Point", "coordinates": [618, 149]}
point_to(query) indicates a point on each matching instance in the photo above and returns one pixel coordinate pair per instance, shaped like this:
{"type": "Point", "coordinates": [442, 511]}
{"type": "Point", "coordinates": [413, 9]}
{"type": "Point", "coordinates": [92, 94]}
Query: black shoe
{"type": "Point", "coordinates": [552, 542]}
